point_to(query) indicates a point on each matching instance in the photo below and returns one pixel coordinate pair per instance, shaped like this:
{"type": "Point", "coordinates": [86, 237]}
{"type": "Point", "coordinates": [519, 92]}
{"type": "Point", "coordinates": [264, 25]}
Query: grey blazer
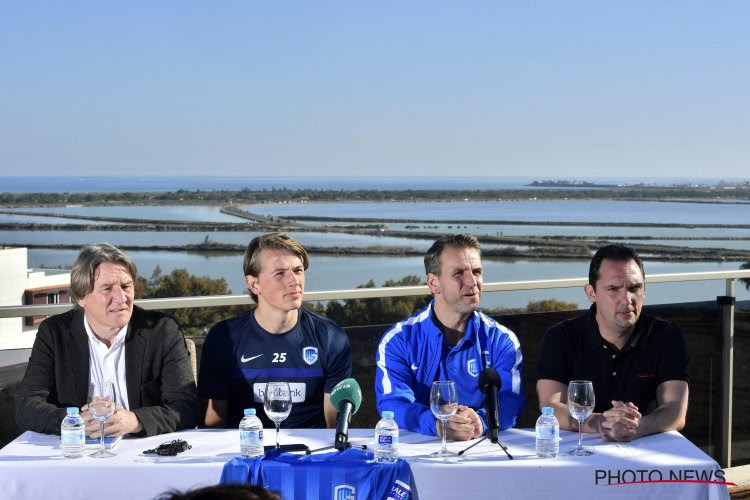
{"type": "Point", "coordinates": [159, 377]}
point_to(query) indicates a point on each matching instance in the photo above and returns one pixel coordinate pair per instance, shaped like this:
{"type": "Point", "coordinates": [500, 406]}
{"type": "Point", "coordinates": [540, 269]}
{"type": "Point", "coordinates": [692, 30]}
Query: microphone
{"type": "Point", "coordinates": [490, 384]}
{"type": "Point", "coordinates": [347, 397]}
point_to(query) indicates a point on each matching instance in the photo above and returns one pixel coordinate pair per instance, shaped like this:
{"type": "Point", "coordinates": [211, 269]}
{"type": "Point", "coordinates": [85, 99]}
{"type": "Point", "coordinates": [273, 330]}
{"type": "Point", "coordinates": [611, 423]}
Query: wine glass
{"type": "Point", "coordinates": [580, 406]}
{"type": "Point", "coordinates": [277, 401]}
{"type": "Point", "coordinates": [101, 407]}
{"type": "Point", "coordinates": [443, 403]}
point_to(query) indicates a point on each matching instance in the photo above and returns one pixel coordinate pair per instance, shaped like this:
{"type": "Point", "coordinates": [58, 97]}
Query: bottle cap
{"type": "Point", "coordinates": [72, 410]}
{"type": "Point", "coordinates": [387, 414]}
{"type": "Point", "coordinates": [548, 410]}
{"type": "Point", "coordinates": [249, 411]}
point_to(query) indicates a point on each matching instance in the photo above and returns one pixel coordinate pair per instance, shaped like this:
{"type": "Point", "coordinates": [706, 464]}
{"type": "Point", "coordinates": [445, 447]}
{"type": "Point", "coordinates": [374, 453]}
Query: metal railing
{"type": "Point", "coordinates": [368, 293]}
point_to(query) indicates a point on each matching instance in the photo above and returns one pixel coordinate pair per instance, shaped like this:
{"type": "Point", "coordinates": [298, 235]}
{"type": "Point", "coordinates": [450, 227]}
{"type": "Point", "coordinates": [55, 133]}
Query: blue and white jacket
{"type": "Point", "coordinates": [408, 360]}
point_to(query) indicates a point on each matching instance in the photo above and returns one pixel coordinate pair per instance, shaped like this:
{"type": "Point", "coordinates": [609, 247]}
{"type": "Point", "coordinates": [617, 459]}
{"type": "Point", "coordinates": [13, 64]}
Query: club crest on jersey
{"type": "Point", "coordinates": [310, 354]}
{"type": "Point", "coordinates": [472, 368]}
{"type": "Point", "coordinates": [344, 492]}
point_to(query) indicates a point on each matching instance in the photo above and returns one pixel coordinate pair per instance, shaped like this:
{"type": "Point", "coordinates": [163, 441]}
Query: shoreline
{"type": "Point", "coordinates": [576, 251]}
{"type": "Point", "coordinates": [718, 194]}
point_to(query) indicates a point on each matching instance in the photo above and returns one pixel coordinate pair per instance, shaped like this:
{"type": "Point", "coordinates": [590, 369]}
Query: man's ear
{"type": "Point", "coordinates": [590, 293]}
{"type": "Point", "coordinates": [433, 281]}
{"type": "Point", "coordinates": [252, 284]}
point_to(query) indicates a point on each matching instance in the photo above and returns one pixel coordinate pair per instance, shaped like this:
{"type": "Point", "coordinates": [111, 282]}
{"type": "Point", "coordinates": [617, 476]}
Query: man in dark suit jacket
{"type": "Point", "coordinates": [100, 339]}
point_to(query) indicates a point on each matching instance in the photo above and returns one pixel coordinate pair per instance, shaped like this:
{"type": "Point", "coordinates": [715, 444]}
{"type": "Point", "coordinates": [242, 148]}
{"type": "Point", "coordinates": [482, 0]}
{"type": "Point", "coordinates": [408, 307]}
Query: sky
{"type": "Point", "coordinates": [555, 89]}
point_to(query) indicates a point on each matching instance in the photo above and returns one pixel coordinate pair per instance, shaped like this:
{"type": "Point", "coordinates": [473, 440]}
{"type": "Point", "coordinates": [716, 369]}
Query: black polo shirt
{"type": "Point", "coordinates": [655, 353]}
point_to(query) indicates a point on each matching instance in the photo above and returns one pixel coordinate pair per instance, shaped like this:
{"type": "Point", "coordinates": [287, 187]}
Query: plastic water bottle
{"type": "Point", "coordinates": [73, 435]}
{"type": "Point", "coordinates": [386, 439]}
{"type": "Point", "coordinates": [547, 434]}
{"type": "Point", "coordinates": [251, 435]}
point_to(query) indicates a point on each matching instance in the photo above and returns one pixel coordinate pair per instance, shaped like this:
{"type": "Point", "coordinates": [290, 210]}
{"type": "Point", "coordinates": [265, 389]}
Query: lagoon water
{"type": "Point", "coordinates": [602, 211]}
{"type": "Point", "coordinates": [346, 272]}
{"type": "Point", "coordinates": [605, 212]}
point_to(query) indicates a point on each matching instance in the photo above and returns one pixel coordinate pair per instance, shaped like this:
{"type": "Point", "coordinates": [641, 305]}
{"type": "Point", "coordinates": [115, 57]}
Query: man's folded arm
{"type": "Point", "coordinates": [509, 365]}
{"type": "Point", "coordinates": [179, 408]}
{"type": "Point", "coordinates": [34, 412]}
{"type": "Point", "coordinates": [393, 392]}
{"type": "Point", "coordinates": [214, 412]}
{"type": "Point", "coordinates": [552, 393]}
{"type": "Point", "coordinates": [671, 409]}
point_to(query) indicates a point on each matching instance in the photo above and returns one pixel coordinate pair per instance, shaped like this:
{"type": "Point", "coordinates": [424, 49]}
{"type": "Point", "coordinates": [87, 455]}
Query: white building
{"type": "Point", "coordinates": [20, 285]}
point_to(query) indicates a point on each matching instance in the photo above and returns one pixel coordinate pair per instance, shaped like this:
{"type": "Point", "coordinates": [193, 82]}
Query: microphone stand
{"type": "Point", "coordinates": [340, 446]}
{"type": "Point", "coordinates": [489, 384]}
{"type": "Point", "coordinates": [495, 440]}
{"type": "Point", "coordinates": [341, 440]}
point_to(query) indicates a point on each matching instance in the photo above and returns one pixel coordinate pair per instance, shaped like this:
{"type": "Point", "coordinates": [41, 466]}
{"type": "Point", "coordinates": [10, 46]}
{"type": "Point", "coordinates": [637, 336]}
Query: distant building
{"type": "Point", "coordinates": [20, 285]}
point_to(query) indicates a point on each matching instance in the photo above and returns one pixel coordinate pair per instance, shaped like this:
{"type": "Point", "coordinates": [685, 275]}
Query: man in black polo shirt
{"type": "Point", "coordinates": [638, 363]}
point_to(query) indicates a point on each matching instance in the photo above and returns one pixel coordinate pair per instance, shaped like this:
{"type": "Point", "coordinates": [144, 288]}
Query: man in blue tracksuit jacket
{"type": "Point", "coordinates": [449, 340]}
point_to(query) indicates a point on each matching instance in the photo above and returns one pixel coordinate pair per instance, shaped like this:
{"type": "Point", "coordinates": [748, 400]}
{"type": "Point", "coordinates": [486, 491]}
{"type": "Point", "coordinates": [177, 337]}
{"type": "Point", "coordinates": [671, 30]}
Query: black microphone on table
{"type": "Point", "coordinates": [490, 384]}
{"type": "Point", "coordinates": [346, 396]}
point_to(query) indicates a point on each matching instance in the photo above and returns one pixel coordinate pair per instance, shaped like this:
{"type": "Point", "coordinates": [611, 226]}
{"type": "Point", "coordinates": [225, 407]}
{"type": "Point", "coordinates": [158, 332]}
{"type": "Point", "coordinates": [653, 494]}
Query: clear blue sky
{"type": "Point", "coordinates": [567, 89]}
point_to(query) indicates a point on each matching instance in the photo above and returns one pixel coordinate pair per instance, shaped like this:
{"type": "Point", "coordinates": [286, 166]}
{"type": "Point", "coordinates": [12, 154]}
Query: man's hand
{"type": "Point", "coordinates": [462, 426]}
{"type": "Point", "coordinates": [121, 423]}
{"type": "Point", "coordinates": [620, 423]}
{"type": "Point", "coordinates": [92, 425]}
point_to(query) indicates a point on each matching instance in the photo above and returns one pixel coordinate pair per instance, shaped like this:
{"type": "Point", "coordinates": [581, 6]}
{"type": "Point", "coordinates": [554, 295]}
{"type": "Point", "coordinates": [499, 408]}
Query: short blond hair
{"type": "Point", "coordinates": [271, 241]}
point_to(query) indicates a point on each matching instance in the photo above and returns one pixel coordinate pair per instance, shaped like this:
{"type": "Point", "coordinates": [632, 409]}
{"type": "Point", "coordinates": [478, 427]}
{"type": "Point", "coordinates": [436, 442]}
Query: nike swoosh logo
{"type": "Point", "coordinates": [414, 367]}
{"type": "Point", "coordinates": [245, 360]}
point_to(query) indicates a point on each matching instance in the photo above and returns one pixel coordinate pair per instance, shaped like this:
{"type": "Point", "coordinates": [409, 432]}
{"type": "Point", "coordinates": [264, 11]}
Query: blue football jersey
{"type": "Point", "coordinates": [239, 357]}
{"type": "Point", "coordinates": [347, 475]}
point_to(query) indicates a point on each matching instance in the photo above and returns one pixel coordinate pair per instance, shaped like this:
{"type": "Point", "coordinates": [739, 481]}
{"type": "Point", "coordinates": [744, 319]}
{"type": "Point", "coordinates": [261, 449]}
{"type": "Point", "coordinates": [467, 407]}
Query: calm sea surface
{"type": "Point", "coordinates": [104, 184]}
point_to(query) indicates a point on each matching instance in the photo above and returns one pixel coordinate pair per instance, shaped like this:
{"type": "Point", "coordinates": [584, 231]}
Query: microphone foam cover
{"type": "Point", "coordinates": [489, 376]}
{"type": "Point", "coordinates": [347, 390]}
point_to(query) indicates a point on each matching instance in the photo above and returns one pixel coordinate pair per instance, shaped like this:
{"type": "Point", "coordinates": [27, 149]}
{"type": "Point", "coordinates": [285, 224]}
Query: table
{"type": "Point", "coordinates": [659, 466]}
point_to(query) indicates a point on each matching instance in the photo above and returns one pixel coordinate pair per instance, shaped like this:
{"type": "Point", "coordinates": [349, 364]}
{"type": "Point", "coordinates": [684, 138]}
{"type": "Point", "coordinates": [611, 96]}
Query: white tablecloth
{"type": "Point", "coordinates": [660, 466]}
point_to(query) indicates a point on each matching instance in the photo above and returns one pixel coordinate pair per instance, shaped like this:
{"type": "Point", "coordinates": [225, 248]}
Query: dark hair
{"type": "Point", "coordinates": [432, 262]}
{"type": "Point", "coordinates": [619, 253]}
{"type": "Point", "coordinates": [271, 241]}
{"type": "Point", "coordinates": [83, 273]}
{"type": "Point", "coordinates": [222, 492]}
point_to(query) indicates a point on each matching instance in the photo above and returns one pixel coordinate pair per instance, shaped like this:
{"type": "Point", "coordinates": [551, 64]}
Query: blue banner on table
{"type": "Point", "coordinates": [346, 475]}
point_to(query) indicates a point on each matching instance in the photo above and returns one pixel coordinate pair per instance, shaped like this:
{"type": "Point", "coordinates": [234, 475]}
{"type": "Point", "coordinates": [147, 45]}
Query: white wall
{"type": "Point", "coordinates": [13, 267]}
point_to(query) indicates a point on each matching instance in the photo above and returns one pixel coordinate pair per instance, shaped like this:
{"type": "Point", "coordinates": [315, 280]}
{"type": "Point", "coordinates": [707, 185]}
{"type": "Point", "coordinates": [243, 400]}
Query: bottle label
{"type": "Point", "coordinates": [548, 433]}
{"type": "Point", "coordinates": [387, 441]}
{"type": "Point", "coordinates": [73, 437]}
{"type": "Point", "coordinates": [252, 437]}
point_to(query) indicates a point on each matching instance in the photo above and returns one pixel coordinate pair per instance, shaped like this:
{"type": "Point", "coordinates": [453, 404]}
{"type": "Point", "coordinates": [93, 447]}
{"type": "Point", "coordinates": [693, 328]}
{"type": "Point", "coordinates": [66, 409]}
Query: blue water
{"type": "Point", "coordinates": [344, 272]}
{"type": "Point", "coordinates": [604, 211]}
{"type": "Point", "coordinates": [607, 212]}
{"type": "Point", "coordinates": [147, 184]}
{"type": "Point", "coordinates": [111, 184]}
{"type": "Point", "coordinates": [347, 272]}
{"type": "Point", "coordinates": [193, 213]}
{"type": "Point", "coordinates": [143, 238]}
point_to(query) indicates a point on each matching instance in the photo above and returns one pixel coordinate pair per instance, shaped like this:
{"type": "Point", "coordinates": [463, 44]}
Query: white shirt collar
{"type": "Point", "coordinates": [119, 338]}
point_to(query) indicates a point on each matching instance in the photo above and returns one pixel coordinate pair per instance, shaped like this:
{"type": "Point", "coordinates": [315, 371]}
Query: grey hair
{"type": "Point", "coordinates": [83, 274]}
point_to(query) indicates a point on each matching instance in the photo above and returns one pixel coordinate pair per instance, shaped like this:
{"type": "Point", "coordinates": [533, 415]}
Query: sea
{"type": "Point", "coordinates": [599, 218]}
{"type": "Point", "coordinates": [136, 184]}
